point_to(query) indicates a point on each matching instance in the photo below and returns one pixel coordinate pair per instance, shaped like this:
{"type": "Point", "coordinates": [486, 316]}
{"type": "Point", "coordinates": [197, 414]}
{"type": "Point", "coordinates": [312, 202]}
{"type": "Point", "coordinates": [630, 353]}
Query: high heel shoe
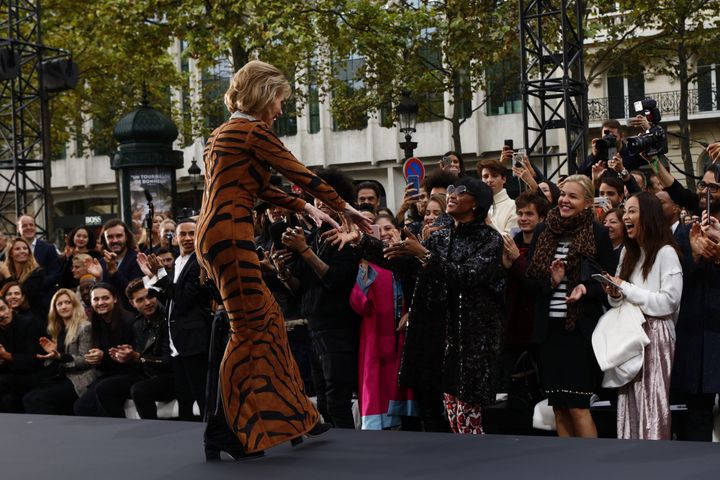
{"type": "Point", "coordinates": [219, 438]}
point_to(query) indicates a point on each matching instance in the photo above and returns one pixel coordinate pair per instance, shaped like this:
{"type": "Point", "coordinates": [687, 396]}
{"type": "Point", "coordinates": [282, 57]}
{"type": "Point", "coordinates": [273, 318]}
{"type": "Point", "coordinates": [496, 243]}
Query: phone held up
{"type": "Point", "coordinates": [414, 180]}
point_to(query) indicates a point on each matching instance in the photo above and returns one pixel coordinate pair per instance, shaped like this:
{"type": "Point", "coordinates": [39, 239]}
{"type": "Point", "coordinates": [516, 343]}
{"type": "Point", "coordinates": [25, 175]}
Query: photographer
{"type": "Point", "coordinates": [611, 129]}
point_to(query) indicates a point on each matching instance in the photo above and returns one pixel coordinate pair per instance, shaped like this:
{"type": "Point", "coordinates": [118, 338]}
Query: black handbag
{"type": "Point", "coordinates": [525, 389]}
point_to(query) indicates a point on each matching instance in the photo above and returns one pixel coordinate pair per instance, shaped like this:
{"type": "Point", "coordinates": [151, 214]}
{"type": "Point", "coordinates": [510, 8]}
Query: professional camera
{"type": "Point", "coordinates": [606, 146]}
{"type": "Point", "coordinates": [169, 236]}
{"type": "Point", "coordinates": [654, 140]}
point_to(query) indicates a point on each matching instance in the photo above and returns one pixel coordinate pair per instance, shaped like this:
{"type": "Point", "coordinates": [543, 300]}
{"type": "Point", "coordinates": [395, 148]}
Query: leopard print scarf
{"type": "Point", "coordinates": [580, 229]}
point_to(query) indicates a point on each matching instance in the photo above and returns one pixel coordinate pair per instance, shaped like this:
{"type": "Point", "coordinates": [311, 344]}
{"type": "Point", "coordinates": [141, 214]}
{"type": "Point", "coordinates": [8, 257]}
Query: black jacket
{"type": "Point", "coordinates": [152, 342]}
{"type": "Point", "coordinates": [457, 312]}
{"type": "Point", "coordinates": [593, 303]}
{"type": "Point", "coordinates": [187, 304]}
{"type": "Point", "coordinates": [127, 270]}
{"type": "Point", "coordinates": [21, 340]}
{"type": "Point", "coordinates": [108, 335]}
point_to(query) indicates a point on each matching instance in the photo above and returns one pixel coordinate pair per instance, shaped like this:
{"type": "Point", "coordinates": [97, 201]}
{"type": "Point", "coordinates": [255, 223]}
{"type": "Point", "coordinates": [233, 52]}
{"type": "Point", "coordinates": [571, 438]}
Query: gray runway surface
{"type": "Point", "coordinates": [55, 447]}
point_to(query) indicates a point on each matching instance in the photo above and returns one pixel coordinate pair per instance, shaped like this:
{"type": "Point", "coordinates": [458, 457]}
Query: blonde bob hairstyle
{"type": "Point", "coordinates": [586, 184]}
{"type": "Point", "coordinates": [254, 87]}
{"type": "Point", "coordinates": [73, 324]}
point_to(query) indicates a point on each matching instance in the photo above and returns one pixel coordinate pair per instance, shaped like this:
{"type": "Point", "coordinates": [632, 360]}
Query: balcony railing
{"type": "Point", "coordinates": [702, 100]}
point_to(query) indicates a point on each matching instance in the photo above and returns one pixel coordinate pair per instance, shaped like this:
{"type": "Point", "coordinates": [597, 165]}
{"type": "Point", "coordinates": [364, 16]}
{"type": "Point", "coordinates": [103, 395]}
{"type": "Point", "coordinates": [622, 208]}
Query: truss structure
{"type": "Point", "coordinates": [553, 82]}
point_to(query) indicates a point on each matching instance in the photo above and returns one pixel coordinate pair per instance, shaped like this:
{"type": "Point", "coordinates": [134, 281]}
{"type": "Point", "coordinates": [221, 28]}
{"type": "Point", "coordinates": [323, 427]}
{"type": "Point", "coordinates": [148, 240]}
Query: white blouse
{"type": "Point", "coordinates": [659, 294]}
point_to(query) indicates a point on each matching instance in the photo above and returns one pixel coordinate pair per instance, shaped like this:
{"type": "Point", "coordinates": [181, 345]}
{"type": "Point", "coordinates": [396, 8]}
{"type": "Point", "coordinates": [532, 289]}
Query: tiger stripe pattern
{"type": "Point", "coordinates": [262, 391]}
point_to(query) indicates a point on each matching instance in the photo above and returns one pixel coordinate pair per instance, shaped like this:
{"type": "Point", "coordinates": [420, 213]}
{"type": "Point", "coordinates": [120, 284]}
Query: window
{"type": "Point", "coordinates": [503, 95]}
{"type": "Point", "coordinates": [348, 74]}
{"type": "Point", "coordinates": [431, 103]}
{"type": "Point", "coordinates": [215, 82]}
{"type": "Point", "coordinates": [286, 124]}
{"type": "Point", "coordinates": [707, 86]}
{"type": "Point", "coordinates": [624, 87]}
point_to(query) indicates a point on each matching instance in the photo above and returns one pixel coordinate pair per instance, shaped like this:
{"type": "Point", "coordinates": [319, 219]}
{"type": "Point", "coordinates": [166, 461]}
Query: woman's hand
{"type": "Point", "coordinates": [410, 247]}
{"type": "Point", "coordinates": [94, 268]}
{"type": "Point", "coordinates": [402, 325]}
{"type": "Point", "coordinates": [294, 239]}
{"type": "Point", "coordinates": [409, 198]}
{"type": "Point", "coordinates": [50, 348]}
{"type": "Point", "coordinates": [4, 271]}
{"type": "Point", "coordinates": [557, 272]}
{"type": "Point", "coordinates": [578, 292]}
{"type": "Point", "coordinates": [335, 237]}
{"type": "Point", "coordinates": [353, 217]}
{"type": "Point", "coordinates": [612, 290]}
{"type": "Point", "coordinates": [318, 216]}
{"type": "Point", "coordinates": [427, 230]}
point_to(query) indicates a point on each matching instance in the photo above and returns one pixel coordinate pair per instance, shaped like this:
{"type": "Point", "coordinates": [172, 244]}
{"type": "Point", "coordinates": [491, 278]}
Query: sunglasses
{"type": "Point", "coordinates": [713, 187]}
{"type": "Point", "coordinates": [459, 190]}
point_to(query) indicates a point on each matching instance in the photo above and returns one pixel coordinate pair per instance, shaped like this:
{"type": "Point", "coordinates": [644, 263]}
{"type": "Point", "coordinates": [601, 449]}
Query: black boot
{"type": "Point", "coordinates": [318, 429]}
{"type": "Point", "coordinates": [219, 438]}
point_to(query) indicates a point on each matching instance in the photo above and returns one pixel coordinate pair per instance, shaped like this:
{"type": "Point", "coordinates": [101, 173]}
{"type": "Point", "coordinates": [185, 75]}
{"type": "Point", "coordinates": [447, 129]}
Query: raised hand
{"type": "Point", "coordinates": [411, 246]}
{"type": "Point", "coordinates": [318, 216]}
{"type": "Point", "coordinates": [353, 217]}
{"type": "Point", "coordinates": [714, 151]}
{"type": "Point", "coordinates": [335, 237]}
{"type": "Point", "coordinates": [111, 261]}
{"type": "Point", "coordinates": [94, 268]}
{"type": "Point", "coordinates": [557, 272]}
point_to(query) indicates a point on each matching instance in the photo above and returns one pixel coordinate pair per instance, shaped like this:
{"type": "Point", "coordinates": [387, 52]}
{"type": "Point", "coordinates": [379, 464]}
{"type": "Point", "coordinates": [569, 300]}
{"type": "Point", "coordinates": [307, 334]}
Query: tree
{"type": "Point", "coordinates": [117, 52]}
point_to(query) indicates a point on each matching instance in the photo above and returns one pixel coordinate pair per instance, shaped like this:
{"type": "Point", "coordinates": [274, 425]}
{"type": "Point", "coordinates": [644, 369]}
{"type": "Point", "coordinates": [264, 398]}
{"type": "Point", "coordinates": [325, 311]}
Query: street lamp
{"type": "Point", "coordinates": [194, 172]}
{"type": "Point", "coordinates": [407, 111]}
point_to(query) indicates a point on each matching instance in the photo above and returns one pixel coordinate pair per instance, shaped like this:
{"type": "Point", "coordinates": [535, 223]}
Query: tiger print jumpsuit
{"type": "Point", "coordinates": [261, 388]}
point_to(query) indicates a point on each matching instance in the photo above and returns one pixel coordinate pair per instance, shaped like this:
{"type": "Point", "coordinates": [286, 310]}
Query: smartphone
{"type": "Point", "coordinates": [508, 143]}
{"type": "Point", "coordinates": [276, 231]}
{"type": "Point", "coordinates": [603, 279]}
{"type": "Point", "coordinates": [600, 202]}
{"type": "Point", "coordinates": [445, 162]}
{"type": "Point", "coordinates": [375, 231]}
{"type": "Point", "coordinates": [414, 180]}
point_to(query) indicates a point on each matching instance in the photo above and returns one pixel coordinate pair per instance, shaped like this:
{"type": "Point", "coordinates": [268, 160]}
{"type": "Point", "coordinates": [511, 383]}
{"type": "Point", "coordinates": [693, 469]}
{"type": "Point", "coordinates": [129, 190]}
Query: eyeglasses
{"type": "Point", "coordinates": [713, 187]}
{"type": "Point", "coordinates": [459, 190]}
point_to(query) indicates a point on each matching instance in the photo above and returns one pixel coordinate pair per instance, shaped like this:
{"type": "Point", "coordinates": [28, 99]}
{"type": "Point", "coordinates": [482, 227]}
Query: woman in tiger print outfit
{"type": "Point", "coordinates": [261, 389]}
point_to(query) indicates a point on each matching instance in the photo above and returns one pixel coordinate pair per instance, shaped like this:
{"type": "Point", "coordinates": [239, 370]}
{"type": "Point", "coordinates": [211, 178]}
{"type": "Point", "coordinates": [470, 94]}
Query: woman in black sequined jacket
{"type": "Point", "coordinates": [457, 310]}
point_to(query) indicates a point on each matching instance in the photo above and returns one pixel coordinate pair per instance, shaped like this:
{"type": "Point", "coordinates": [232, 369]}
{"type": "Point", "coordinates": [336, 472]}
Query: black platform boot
{"type": "Point", "coordinates": [219, 438]}
{"type": "Point", "coordinates": [318, 429]}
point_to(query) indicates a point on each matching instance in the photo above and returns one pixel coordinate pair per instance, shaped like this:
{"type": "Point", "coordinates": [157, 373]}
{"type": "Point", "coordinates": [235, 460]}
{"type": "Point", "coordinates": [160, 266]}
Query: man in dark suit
{"type": "Point", "coordinates": [121, 258]}
{"type": "Point", "coordinates": [189, 317]}
{"type": "Point", "coordinates": [44, 253]}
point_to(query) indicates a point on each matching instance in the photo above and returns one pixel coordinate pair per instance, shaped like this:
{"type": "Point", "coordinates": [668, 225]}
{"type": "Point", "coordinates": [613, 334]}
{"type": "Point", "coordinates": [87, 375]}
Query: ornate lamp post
{"type": "Point", "coordinates": [407, 111]}
{"type": "Point", "coordinates": [195, 173]}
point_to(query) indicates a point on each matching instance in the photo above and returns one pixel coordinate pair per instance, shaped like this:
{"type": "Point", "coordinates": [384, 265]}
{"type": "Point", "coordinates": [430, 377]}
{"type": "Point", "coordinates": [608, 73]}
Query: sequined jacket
{"type": "Point", "coordinates": [456, 312]}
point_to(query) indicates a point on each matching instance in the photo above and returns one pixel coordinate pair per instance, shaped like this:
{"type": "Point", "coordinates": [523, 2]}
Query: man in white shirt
{"type": "Point", "coordinates": [502, 214]}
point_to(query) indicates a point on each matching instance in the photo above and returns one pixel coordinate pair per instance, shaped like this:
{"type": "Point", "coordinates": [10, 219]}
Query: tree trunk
{"type": "Point", "coordinates": [457, 106]}
{"type": "Point", "coordinates": [240, 56]}
{"type": "Point", "coordinates": [684, 124]}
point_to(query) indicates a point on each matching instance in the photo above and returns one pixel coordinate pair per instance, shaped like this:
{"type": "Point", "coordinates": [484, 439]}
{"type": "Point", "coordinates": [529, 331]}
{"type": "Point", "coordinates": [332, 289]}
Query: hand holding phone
{"type": "Point", "coordinates": [414, 180]}
{"type": "Point", "coordinates": [605, 280]}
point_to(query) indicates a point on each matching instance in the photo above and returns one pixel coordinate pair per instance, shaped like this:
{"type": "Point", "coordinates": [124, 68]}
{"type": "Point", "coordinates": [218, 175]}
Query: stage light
{"type": "Point", "coordinates": [9, 64]}
{"type": "Point", "coordinates": [59, 75]}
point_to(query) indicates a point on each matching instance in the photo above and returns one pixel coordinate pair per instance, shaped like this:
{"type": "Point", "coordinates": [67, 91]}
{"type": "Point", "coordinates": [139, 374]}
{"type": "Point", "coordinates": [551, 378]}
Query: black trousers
{"type": "Point", "coordinates": [12, 388]}
{"type": "Point", "coordinates": [190, 375]}
{"type": "Point", "coordinates": [54, 396]}
{"type": "Point", "coordinates": [700, 420]}
{"type": "Point", "coordinates": [106, 396]}
{"type": "Point", "coordinates": [334, 372]}
{"type": "Point", "coordinates": [145, 393]}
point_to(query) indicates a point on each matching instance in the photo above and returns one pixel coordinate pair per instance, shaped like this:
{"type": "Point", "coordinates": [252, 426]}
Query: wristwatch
{"type": "Point", "coordinates": [623, 173]}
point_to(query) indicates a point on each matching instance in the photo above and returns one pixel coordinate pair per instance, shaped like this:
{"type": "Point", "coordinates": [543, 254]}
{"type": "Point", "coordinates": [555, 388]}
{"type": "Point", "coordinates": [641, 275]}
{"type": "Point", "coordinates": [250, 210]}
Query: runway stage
{"type": "Point", "coordinates": [55, 447]}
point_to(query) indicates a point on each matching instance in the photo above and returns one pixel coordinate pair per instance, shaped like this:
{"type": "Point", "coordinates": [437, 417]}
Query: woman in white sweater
{"type": "Point", "coordinates": [650, 276]}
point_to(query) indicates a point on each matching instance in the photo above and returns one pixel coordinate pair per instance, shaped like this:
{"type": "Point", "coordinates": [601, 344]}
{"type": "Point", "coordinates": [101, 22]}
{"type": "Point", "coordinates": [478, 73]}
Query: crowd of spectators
{"type": "Point", "coordinates": [423, 322]}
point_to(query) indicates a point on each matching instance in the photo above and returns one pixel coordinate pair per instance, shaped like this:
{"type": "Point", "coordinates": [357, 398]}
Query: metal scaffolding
{"type": "Point", "coordinates": [25, 118]}
{"type": "Point", "coordinates": [553, 81]}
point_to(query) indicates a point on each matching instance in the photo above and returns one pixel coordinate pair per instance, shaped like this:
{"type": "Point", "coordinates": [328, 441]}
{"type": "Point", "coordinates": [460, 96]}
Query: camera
{"type": "Point", "coordinates": [606, 146]}
{"type": "Point", "coordinates": [169, 237]}
{"type": "Point", "coordinates": [654, 140]}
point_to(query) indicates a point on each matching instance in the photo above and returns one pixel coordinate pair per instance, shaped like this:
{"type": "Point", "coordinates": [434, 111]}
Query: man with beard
{"type": "Point", "coordinates": [121, 257]}
{"type": "Point", "coordinates": [324, 277]}
{"type": "Point", "coordinates": [696, 365]}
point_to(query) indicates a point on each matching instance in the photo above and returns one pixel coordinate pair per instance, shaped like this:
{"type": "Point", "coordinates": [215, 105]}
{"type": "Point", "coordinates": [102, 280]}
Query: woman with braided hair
{"type": "Point", "coordinates": [568, 248]}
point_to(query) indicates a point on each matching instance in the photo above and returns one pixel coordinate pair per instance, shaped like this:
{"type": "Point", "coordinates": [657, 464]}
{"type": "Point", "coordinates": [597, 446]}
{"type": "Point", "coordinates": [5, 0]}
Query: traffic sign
{"type": "Point", "coordinates": [413, 166]}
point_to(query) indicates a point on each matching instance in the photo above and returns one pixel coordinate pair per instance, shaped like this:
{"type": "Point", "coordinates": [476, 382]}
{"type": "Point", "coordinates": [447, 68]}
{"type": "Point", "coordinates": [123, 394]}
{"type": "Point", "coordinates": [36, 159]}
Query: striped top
{"type": "Point", "coordinates": [558, 302]}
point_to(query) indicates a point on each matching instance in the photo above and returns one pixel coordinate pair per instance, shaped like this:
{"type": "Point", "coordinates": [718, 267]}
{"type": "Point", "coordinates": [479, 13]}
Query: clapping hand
{"type": "Point", "coordinates": [94, 356]}
{"type": "Point", "coordinates": [149, 264]}
{"type": "Point", "coordinates": [50, 348]}
{"type": "Point", "coordinates": [111, 259]}
{"type": "Point", "coordinates": [124, 354]}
